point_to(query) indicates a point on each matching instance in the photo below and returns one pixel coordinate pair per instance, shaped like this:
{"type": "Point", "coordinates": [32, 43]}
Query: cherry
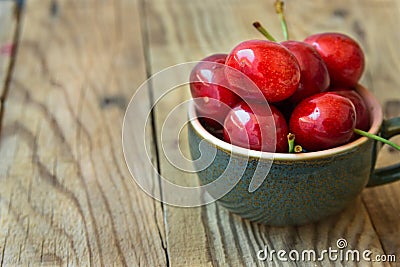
{"type": "Point", "coordinates": [314, 73]}
{"type": "Point", "coordinates": [208, 88]}
{"type": "Point", "coordinates": [341, 88]}
{"type": "Point", "coordinates": [251, 127]}
{"type": "Point", "coordinates": [342, 55]}
{"type": "Point", "coordinates": [314, 77]}
{"type": "Point", "coordinates": [362, 113]}
{"type": "Point", "coordinates": [271, 66]}
{"type": "Point", "coordinates": [323, 121]}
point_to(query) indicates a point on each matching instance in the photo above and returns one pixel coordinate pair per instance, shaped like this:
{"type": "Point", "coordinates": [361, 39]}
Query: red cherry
{"type": "Point", "coordinates": [314, 76]}
{"type": "Point", "coordinates": [341, 88]}
{"type": "Point", "coordinates": [271, 66]}
{"type": "Point", "coordinates": [342, 55]}
{"type": "Point", "coordinates": [323, 121]}
{"type": "Point", "coordinates": [208, 87]}
{"type": "Point", "coordinates": [362, 118]}
{"type": "Point", "coordinates": [252, 128]}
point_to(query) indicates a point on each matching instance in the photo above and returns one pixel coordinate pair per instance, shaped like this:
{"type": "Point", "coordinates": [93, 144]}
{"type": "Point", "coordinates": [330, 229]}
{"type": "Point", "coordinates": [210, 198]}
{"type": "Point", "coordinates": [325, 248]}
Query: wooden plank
{"type": "Point", "coordinates": [8, 24]}
{"type": "Point", "coordinates": [66, 196]}
{"type": "Point", "coordinates": [210, 235]}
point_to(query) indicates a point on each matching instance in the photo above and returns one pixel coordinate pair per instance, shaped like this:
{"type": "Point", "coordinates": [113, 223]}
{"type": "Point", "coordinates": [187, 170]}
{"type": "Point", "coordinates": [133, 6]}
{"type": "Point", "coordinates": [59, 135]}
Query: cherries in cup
{"type": "Point", "coordinates": [325, 143]}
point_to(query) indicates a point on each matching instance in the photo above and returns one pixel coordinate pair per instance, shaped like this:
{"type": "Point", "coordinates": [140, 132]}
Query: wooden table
{"type": "Point", "coordinates": [67, 71]}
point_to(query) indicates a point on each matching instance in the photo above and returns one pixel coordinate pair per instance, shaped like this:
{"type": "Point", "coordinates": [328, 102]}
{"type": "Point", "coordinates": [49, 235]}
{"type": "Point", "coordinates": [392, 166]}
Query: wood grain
{"type": "Point", "coordinates": [66, 196]}
{"type": "Point", "coordinates": [8, 35]}
{"type": "Point", "coordinates": [223, 239]}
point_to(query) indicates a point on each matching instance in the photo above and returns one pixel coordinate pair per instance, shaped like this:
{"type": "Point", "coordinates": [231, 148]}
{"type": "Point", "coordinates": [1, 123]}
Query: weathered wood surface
{"type": "Point", "coordinates": [8, 22]}
{"type": "Point", "coordinates": [66, 196]}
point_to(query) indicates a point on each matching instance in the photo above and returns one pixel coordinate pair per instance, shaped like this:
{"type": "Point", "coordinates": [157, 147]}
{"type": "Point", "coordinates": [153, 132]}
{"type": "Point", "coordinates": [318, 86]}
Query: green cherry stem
{"type": "Point", "coordinates": [263, 31]}
{"type": "Point", "coordinates": [279, 8]}
{"type": "Point", "coordinates": [290, 138]}
{"type": "Point", "coordinates": [378, 138]}
{"type": "Point", "coordinates": [298, 149]}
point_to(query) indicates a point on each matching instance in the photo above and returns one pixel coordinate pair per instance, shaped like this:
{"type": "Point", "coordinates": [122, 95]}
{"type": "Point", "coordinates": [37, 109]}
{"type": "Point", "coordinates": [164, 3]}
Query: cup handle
{"type": "Point", "coordinates": [391, 173]}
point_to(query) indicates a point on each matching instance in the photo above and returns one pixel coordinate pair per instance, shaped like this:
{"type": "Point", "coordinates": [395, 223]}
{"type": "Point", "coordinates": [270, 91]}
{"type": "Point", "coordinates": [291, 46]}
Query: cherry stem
{"type": "Point", "coordinates": [378, 138]}
{"type": "Point", "coordinates": [298, 149]}
{"type": "Point", "coordinates": [290, 138]}
{"type": "Point", "coordinates": [279, 8]}
{"type": "Point", "coordinates": [263, 31]}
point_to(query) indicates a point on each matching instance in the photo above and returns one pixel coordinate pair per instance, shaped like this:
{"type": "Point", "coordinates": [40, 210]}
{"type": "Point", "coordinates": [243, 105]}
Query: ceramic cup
{"type": "Point", "coordinates": [297, 188]}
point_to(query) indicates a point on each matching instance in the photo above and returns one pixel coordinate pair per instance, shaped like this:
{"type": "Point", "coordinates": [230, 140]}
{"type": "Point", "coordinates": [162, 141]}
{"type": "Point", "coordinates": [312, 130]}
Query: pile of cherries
{"type": "Point", "coordinates": [309, 86]}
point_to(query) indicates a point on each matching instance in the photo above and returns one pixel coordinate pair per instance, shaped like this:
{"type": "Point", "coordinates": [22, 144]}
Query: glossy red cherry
{"type": "Point", "coordinates": [341, 88]}
{"type": "Point", "coordinates": [314, 76]}
{"type": "Point", "coordinates": [271, 66]}
{"type": "Point", "coordinates": [342, 55]}
{"type": "Point", "coordinates": [251, 127]}
{"type": "Point", "coordinates": [208, 87]}
{"type": "Point", "coordinates": [323, 121]}
{"type": "Point", "coordinates": [362, 113]}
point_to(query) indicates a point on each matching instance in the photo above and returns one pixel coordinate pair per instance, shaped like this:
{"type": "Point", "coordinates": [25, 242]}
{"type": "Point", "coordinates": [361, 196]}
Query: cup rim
{"type": "Point", "coordinates": [376, 117]}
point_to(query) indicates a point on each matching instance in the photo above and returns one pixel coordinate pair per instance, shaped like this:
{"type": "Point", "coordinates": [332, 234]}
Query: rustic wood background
{"type": "Point", "coordinates": [67, 71]}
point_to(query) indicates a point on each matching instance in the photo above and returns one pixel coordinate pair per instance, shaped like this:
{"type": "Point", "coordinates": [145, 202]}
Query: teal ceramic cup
{"type": "Point", "coordinates": [295, 188]}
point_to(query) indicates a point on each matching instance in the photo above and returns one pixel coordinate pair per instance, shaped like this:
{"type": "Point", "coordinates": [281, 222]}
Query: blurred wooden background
{"type": "Point", "coordinates": [67, 71]}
